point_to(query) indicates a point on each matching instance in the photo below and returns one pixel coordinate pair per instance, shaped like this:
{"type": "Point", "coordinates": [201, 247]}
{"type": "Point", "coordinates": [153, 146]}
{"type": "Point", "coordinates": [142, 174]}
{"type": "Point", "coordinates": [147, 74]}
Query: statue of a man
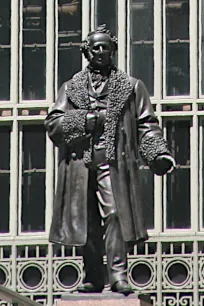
{"type": "Point", "coordinates": [101, 120]}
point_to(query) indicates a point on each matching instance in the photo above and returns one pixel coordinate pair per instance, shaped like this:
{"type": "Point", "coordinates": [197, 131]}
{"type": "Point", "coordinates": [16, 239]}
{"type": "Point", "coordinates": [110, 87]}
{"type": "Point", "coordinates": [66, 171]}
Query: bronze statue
{"type": "Point", "coordinates": [101, 120]}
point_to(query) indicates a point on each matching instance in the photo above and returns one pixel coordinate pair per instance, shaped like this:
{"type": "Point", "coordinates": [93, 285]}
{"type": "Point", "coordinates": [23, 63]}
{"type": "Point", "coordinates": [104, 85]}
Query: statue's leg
{"type": "Point", "coordinates": [115, 249]}
{"type": "Point", "coordinates": [115, 245]}
{"type": "Point", "coordinates": [93, 251]}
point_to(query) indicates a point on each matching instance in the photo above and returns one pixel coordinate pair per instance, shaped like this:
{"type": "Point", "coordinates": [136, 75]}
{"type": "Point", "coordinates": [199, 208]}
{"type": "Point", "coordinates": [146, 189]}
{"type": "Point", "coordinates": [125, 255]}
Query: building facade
{"type": "Point", "coordinates": [160, 42]}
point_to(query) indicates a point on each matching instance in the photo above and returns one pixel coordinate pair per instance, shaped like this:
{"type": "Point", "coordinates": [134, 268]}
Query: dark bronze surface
{"type": "Point", "coordinates": [98, 188]}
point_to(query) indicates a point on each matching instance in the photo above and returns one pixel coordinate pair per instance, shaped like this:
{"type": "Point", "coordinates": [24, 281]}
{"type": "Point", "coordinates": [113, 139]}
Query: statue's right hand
{"type": "Point", "coordinates": [90, 122]}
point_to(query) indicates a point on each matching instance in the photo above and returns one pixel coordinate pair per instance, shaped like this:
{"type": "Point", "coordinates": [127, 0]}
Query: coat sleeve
{"type": "Point", "coordinates": [151, 141]}
{"type": "Point", "coordinates": [65, 124]}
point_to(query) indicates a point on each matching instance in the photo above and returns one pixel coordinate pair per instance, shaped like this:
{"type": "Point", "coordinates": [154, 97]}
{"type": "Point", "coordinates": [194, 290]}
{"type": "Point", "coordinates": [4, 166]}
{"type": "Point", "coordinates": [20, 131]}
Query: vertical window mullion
{"type": "Point", "coordinates": [158, 95]}
{"type": "Point", "coordinates": [14, 85]}
{"type": "Point", "coordinates": [14, 179]}
{"type": "Point", "coordinates": [85, 25]}
{"type": "Point", "coordinates": [20, 171]}
{"type": "Point", "coordinates": [194, 89]}
{"type": "Point", "coordinates": [164, 47]}
{"type": "Point", "coordinates": [201, 165]}
{"type": "Point", "coordinates": [20, 49]}
{"type": "Point", "coordinates": [201, 48]}
{"type": "Point", "coordinates": [158, 50]}
{"type": "Point", "coordinates": [164, 206]}
{"type": "Point", "coordinates": [92, 21]}
{"type": "Point", "coordinates": [193, 35]}
{"type": "Point", "coordinates": [50, 64]}
{"type": "Point", "coordinates": [194, 174]}
{"type": "Point", "coordinates": [50, 38]}
{"type": "Point", "coordinates": [121, 33]}
{"type": "Point", "coordinates": [56, 29]}
{"type": "Point", "coordinates": [14, 90]}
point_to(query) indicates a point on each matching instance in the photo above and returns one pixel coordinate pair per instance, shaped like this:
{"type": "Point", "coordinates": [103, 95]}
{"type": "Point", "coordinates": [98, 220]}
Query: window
{"type": "Point", "coordinates": [147, 194]}
{"type": "Point", "coordinates": [33, 178]}
{"type": "Point", "coordinates": [142, 41]}
{"type": "Point", "coordinates": [5, 177]}
{"type": "Point", "coordinates": [69, 39]}
{"type": "Point", "coordinates": [202, 46]}
{"type": "Point", "coordinates": [106, 13]}
{"type": "Point", "coordinates": [34, 50]}
{"type": "Point", "coordinates": [201, 170]}
{"type": "Point", "coordinates": [177, 45]}
{"type": "Point", "coordinates": [177, 207]}
{"type": "Point", "coordinates": [5, 49]}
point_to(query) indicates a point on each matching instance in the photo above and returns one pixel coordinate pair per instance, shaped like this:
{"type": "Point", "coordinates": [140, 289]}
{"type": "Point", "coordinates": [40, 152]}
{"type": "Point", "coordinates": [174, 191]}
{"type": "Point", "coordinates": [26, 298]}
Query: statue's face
{"type": "Point", "coordinates": [101, 50]}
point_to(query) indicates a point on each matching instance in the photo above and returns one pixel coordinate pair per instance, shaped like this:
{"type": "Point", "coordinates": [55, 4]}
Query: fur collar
{"type": "Point", "coordinates": [119, 90]}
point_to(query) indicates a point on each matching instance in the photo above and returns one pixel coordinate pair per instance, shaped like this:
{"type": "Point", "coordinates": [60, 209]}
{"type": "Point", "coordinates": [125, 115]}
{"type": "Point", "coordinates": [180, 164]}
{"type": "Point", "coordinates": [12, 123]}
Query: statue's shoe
{"type": "Point", "coordinates": [122, 287]}
{"type": "Point", "coordinates": [89, 288]}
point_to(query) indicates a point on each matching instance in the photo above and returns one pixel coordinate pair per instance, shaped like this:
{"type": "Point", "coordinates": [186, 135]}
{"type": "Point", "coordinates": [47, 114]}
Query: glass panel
{"type": "Point", "coordinates": [201, 185]}
{"type": "Point", "coordinates": [5, 49]}
{"type": "Point", "coordinates": [33, 179]}
{"type": "Point", "coordinates": [107, 16]}
{"type": "Point", "coordinates": [34, 50]}
{"type": "Point", "coordinates": [142, 41]}
{"type": "Point", "coordinates": [178, 183]}
{"type": "Point", "coordinates": [202, 47]}
{"type": "Point", "coordinates": [69, 39]}
{"type": "Point", "coordinates": [4, 177]}
{"type": "Point", "coordinates": [177, 47]}
{"type": "Point", "coordinates": [147, 183]}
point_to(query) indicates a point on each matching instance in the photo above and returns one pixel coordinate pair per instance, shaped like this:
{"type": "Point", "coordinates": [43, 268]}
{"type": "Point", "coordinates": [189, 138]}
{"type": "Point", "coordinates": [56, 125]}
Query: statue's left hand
{"type": "Point", "coordinates": [164, 164]}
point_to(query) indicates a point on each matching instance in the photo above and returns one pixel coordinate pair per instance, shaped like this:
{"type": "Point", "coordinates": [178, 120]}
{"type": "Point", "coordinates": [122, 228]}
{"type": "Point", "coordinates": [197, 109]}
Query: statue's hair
{"type": "Point", "coordinates": [100, 29]}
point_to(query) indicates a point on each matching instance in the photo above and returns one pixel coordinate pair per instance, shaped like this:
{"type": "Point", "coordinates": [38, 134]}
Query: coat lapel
{"type": "Point", "coordinates": [119, 90]}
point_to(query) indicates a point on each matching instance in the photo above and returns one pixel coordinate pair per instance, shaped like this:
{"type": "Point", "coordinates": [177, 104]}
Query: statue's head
{"type": "Point", "coordinates": [99, 47]}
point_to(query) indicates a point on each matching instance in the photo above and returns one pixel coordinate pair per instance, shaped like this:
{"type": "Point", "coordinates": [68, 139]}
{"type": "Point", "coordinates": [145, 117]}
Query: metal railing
{"type": "Point", "coordinates": [15, 298]}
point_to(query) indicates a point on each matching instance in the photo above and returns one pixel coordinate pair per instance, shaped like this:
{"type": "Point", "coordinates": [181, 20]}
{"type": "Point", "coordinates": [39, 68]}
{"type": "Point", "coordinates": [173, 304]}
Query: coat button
{"type": "Point", "coordinates": [123, 154]}
{"type": "Point", "coordinates": [73, 155]}
{"type": "Point", "coordinates": [122, 129]}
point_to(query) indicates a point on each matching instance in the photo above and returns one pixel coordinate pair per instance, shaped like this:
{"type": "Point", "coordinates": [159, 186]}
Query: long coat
{"type": "Point", "coordinates": [135, 124]}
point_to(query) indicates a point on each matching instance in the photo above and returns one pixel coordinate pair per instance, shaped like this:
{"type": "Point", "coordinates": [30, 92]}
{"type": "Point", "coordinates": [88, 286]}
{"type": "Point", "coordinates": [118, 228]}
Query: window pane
{"type": "Point", "coordinates": [106, 16]}
{"type": "Point", "coordinates": [69, 39]}
{"type": "Point", "coordinates": [33, 178]}
{"type": "Point", "coordinates": [201, 185]}
{"type": "Point", "coordinates": [5, 29]}
{"type": "Point", "coordinates": [202, 47]}
{"type": "Point", "coordinates": [34, 49]}
{"type": "Point", "coordinates": [4, 177]}
{"type": "Point", "coordinates": [177, 47]}
{"type": "Point", "coordinates": [147, 183]}
{"type": "Point", "coordinates": [142, 41]}
{"type": "Point", "coordinates": [178, 182]}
